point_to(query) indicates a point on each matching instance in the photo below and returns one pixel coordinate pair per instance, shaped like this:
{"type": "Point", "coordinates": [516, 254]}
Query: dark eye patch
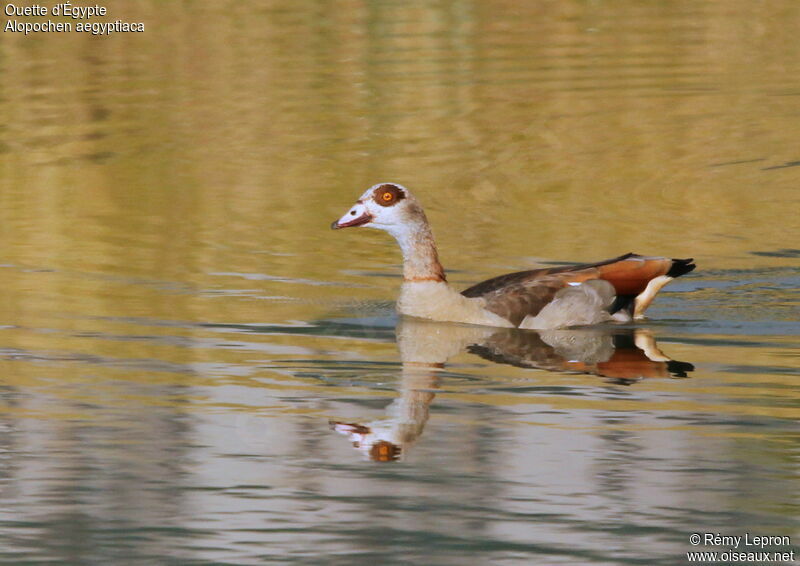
{"type": "Point", "coordinates": [388, 194]}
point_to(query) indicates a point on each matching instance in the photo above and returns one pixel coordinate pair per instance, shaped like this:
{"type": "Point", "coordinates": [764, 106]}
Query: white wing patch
{"type": "Point", "coordinates": [646, 297]}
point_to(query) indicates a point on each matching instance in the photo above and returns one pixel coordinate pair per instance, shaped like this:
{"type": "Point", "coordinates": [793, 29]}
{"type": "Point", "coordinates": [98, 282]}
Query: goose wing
{"type": "Point", "coordinates": [517, 295]}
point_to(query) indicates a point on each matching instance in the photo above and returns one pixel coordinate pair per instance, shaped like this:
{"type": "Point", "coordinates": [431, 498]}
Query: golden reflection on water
{"type": "Point", "coordinates": [166, 176]}
{"type": "Point", "coordinates": [643, 128]}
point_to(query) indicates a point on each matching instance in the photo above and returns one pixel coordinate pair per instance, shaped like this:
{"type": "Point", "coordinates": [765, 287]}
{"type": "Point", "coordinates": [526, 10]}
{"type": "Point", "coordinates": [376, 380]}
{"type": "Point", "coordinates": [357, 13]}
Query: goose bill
{"type": "Point", "coordinates": [344, 221]}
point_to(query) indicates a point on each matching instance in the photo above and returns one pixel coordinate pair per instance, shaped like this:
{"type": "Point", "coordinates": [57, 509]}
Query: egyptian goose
{"type": "Point", "coordinates": [615, 289]}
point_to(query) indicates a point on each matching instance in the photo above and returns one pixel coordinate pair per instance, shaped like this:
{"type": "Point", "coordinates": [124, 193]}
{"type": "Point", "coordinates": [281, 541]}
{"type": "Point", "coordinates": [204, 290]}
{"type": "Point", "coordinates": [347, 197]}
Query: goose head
{"type": "Point", "coordinates": [386, 206]}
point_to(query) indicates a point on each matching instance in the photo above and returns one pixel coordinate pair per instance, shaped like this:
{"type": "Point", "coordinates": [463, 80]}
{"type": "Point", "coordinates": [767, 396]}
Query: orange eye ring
{"type": "Point", "coordinates": [387, 196]}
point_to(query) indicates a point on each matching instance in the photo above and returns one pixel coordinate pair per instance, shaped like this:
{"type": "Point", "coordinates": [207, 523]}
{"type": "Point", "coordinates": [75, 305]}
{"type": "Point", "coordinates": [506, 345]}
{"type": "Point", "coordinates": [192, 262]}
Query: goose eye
{"type": "Point", "coordinates": [388, 195]}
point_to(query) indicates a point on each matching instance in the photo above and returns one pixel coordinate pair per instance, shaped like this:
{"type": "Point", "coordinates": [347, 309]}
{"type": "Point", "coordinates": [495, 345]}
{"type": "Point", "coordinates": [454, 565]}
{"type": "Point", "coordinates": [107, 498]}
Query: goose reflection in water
{"type": "Point", "coordinates": [621, 356]}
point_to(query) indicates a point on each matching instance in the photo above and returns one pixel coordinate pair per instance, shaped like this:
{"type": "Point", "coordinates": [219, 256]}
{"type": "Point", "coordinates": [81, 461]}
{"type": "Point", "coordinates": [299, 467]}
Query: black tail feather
{"type": "Point", "coordinates": [681, 267]}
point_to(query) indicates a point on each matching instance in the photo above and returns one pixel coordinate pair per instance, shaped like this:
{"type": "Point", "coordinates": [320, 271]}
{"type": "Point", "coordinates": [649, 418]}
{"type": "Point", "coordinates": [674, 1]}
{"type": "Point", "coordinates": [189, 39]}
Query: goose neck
{"type": "Point", "coordinates": [420, 257]}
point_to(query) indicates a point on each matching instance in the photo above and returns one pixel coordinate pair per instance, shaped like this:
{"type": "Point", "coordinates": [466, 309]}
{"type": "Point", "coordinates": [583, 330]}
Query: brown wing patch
{"type": "Point", "coordinates": [631, 276]}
